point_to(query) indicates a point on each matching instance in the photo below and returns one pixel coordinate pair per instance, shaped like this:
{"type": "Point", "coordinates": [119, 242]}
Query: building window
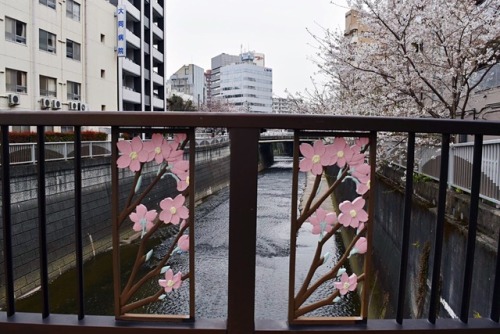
{"type": "Point", "coordinates": [73, 10]}
{"type": "Point", "coordinates": [103, 38]}
{"type": "Point", "coordinates": [103, 73]}
{"type": "Point", "coordinates": [47, 41]}
{"type": "Point", "coordinates": [74, 91]}
{"type": "Point", "coordinates": [48, 86]}
{"type": "Point", "coordinates": [72, 49]}
{"type": "Point", "coordinates": [49, 3]}
{"type": "Point", "coordinates": [15, 31]}
{"type": "Point", "coordinates": [16, 81]}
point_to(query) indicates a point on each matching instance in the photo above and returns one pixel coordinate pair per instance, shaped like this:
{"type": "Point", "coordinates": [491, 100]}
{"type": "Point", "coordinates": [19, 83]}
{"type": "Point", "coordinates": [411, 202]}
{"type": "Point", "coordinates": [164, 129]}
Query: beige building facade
{"type": "Point", "coordinates": [57, 56]}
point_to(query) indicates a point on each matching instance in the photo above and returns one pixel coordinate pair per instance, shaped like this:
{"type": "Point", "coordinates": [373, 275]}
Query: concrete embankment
{"type": "Point", "coordinates": [211, 174]}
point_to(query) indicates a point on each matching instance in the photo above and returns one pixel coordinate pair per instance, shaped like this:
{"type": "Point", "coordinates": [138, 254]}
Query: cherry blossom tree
{"type": "Point", "coordinates": [412, 58]}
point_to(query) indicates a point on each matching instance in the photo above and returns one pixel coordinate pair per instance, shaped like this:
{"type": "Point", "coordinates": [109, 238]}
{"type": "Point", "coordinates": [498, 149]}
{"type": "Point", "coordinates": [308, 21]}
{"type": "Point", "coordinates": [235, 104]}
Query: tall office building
{"type": "Point", "coordinates": [57, 55]}
{"type": "Point", "coordinates": [242, 81]}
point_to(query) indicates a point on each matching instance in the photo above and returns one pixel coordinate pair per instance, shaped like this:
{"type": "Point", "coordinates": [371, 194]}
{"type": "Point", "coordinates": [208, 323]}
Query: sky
{"type": "Point", "coordinates": [198, 30]}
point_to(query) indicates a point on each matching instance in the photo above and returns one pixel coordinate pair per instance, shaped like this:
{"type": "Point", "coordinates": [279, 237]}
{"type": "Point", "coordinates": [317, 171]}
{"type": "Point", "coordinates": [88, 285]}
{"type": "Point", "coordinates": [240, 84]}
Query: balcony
{"type": "Point", "coordinates": [133, 40]}
{"type": "Point", "coordinates": [129, 95]}
{"type": "Point", "coordinates": [157, 55]}
{"type": "Point", "coordinates": [158, 10]}
{"type": "Point", "coordinates": [130, 67]}
{"type": "Point", "coordinates": [157, 31]}
{"type": "Point", "coordinates": [158, 103]}
{"type": "Point", "coordinates": [245, 134]}
{"type": "Point", "coordinates": [158, 79]}
{"type": "Point", "coordinates": [132, 11]}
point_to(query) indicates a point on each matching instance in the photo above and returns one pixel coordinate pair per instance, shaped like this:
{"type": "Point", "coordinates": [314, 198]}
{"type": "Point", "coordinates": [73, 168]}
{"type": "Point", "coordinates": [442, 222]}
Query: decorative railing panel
{"type": "Point", "coordinates": [321, 218]}
{"type": "Point", "coordinates": [170, 268]}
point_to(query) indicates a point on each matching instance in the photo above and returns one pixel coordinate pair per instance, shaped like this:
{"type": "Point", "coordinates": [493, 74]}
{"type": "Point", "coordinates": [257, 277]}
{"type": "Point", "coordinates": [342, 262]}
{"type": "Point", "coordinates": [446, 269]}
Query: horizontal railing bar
{"type": "Point", "coordinates": [91, 324]}
{"type": "Point", "coordinates": [245, 120]}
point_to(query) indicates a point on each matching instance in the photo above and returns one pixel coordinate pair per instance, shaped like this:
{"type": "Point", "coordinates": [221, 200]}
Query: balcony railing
{"type": "Point", "coordinates": [244, 130]}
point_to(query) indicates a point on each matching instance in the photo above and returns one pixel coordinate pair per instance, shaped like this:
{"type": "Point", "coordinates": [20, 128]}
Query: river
{"type": "Point", "coordinates": [211, 239]}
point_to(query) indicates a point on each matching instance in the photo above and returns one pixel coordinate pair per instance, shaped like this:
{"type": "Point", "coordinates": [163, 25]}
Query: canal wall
{"type": "Point", "coordinates": [211, 175]}
{"type": "Point", "coordinates": [386, 247]}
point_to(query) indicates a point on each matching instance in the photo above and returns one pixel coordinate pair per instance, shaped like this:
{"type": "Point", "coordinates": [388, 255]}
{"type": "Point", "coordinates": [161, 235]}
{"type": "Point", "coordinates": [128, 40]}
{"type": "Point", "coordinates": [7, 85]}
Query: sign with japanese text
{"type": "Point", "coordinates": [121, 17]}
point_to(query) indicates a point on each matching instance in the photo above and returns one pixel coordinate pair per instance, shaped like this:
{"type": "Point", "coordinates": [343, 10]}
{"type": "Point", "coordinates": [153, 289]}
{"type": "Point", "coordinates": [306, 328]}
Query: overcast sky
{"type": "Point", "coordinates": [198, 30]}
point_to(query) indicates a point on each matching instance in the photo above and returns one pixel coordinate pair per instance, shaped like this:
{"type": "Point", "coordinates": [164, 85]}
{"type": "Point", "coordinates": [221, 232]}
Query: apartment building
{"type": "Point", "coordinates": [141, 54]}
{"type": "Point", "coordinates": [52, 58]}
{"type": "Point", "coordinates": [66, 55]}
{"type": "Point", "coordinates": [189, 82]}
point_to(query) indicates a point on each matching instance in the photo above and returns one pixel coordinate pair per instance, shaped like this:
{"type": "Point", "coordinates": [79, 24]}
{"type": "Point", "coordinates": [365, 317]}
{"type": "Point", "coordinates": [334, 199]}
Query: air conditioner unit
{"type": "Point", "coordinates": [73, 105]}
{"type": "Point", "coordinates": [14, 99]}
{"type": "Point", "coordinates": [55, 104]}
{"type": "Point", "coordinates": [45, 102]}
{"type": "Point", "coordinates": [84, 106]}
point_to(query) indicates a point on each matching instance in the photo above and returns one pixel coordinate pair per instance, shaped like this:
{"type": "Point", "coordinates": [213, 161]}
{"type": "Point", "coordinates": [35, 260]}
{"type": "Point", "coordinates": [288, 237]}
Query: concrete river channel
{"type": "Point", "coordinates": [273, 235]}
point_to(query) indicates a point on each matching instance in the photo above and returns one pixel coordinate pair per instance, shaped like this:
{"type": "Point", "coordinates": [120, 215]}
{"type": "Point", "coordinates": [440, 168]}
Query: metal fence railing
{"type": "Point", "coordinates": [25, 153]}
{"type": "Point", "coordinates": [242, 224]}
{"type": "Point", "coordinates": [460, 167]}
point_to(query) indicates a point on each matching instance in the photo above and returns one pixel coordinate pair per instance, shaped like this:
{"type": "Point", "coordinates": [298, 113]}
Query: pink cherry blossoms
{"type": "Point", "coordinates": [143, 219]}
{"type": "Point", "coordinates": [171, 281]}
{"type": "Point", "coordinates": [173, 210]}
{"type": "Point", "coordinates": [353, 213]}
{"type": "Point", "coordinates": [322, 221]}
{"type": "Point", "coordinates": [346, 284]}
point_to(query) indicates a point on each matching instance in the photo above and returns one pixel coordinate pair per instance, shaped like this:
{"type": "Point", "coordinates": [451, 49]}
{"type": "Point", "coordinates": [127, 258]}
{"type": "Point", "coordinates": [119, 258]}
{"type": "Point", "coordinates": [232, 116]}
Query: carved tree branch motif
{"type": "Point", "coordinates": [351, 160]}
{"type": "Point", "coordinates": [168, 154]}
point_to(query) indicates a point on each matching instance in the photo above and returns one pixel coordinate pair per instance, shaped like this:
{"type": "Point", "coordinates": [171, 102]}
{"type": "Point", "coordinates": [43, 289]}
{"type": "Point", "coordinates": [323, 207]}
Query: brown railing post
{"type": "Point", "coordinates": [242, 230]}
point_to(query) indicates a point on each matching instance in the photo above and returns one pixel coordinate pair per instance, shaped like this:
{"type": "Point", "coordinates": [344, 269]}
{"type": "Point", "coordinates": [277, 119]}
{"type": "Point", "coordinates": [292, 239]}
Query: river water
{"type": "Point", "coordinates": [211, 259]}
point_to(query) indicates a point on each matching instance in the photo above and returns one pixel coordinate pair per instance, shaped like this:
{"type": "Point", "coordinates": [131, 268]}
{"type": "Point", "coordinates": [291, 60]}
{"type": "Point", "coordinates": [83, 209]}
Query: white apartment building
{"type": "Point", "coordinates": [141, 55]}
{"type": "Point", "coordinates": [51, 58]}
{"type": "Point", "coordinates": [63, 55]}
{"type": "Point", "coordinates": [282, 105]}
{"type": "Point", "coordinates": [245, 84]}
{"type": "Point", "coordinates": [189, 81]}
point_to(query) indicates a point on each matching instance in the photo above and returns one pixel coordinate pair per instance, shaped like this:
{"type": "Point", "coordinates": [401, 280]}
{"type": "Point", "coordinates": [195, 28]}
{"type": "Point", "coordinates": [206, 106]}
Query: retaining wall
{"type": "Point", "coordinates": [211, 174]}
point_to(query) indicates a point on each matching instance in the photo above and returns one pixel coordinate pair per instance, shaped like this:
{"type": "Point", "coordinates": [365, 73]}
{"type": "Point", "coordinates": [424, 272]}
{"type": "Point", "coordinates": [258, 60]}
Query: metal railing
{"type": "Point", "coordinates": [460, 167]}
{"type": "Point", "coordinates": [244, 130]}
{"type": "Point", "coordinates": [26, 153]}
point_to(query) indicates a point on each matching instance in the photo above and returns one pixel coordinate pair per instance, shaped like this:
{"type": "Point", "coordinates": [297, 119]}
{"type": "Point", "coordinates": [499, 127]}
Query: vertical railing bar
{"type": "Point", "coordinates": [293, 234]}
{"type": "Point", "coordinates": [114, 223]}
{"type": "Point", "coordinates": [368, 263]}
{"type": "Point", "coordinates": [42, 222]}
{"type": "Point", "coordinates": [471, 235]}
{"type": "Point", "coordinates": [403, 269]}
{"type": "Point", "coordinates": [242, 229]}
{"type": "Point", "coordinates": [495, 304]}
{"type": "Point", "coordinates": [192, 189]}
{"type": "Point", "coordinates": [7, 224]}
{"type": "Point", "coordinates": [77, 152]}
{"type": "Point", "coordinates": [438, 244]}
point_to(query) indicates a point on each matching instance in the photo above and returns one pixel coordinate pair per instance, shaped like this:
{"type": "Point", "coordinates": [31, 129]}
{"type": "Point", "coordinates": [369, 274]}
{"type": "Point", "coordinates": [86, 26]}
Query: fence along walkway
{"type": "Point", "coordinates": [460, 167]}
{"type": "Point", "coordinates": [26, 153]}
